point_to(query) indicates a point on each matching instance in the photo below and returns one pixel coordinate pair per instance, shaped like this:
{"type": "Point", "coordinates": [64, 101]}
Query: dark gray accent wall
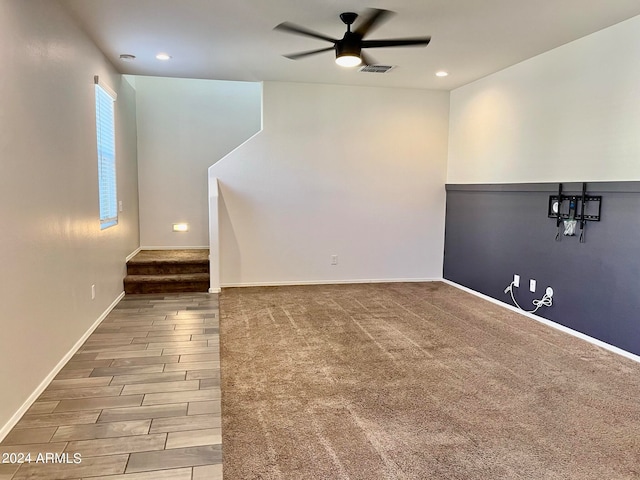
{"type": "Point", "coordinates": [495, 231]}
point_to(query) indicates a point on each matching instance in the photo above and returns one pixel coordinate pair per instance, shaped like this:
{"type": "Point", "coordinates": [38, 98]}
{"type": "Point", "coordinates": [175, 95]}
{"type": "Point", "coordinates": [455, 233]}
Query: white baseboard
{"type": "Point", "coordinates": [329, 282]}
{"type": "Point", "coordinates": [132, 254]}
{"type": "Point", "coordinates": [549, 323]}
{"type": "Point", "coordinates": [4, 431]}
{"type": "Point", "coordinates": [203, 247]}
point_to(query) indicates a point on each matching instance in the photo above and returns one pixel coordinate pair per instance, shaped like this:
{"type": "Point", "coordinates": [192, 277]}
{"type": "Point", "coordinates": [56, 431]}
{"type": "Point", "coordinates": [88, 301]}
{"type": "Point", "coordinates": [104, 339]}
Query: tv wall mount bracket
{"type": "Point", "coordinates": [571, 210]}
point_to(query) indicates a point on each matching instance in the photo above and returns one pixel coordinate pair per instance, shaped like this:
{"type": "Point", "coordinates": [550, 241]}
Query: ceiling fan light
{"type": "Point", "coordinates": [348, 54]}
{"type": "Point", "coordinates": [348, 60]}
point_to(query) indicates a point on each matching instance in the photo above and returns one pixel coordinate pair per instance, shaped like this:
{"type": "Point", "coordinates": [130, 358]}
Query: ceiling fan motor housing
{"type": "Point", "coordinates": [349, 45]}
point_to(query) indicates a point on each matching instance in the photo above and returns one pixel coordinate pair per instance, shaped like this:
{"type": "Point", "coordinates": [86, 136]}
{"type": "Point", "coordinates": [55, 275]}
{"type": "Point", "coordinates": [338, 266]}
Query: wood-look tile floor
{"type": "Point", "coordinates": [140, 400]}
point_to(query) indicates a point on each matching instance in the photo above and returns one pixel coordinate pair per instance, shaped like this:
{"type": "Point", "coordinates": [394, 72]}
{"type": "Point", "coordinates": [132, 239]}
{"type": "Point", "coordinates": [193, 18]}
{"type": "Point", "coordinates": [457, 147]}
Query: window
{"type": "Point", "coordinates": [106, 140]}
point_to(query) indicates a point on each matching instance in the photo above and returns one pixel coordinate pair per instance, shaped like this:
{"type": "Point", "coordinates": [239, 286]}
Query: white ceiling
{"type": "Point", "coordinates": [235, 40]}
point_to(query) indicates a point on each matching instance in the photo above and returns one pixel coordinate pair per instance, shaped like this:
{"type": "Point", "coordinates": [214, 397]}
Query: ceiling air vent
{"type": "Point", "coordinates": [375, 68]}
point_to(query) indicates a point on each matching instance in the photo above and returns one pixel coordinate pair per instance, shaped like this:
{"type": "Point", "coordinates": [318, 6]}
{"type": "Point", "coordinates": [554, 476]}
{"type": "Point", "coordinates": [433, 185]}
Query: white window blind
{"type": "Point", "coordinates": [106, 141]}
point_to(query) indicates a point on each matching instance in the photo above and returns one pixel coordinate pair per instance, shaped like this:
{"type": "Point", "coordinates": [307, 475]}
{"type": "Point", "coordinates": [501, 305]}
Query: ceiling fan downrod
{"type": "Point", "coordinates": [348, 18]}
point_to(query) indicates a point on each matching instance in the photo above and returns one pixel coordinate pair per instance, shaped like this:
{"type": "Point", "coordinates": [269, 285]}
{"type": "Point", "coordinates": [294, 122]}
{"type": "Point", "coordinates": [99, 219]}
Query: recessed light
{"type": "Point", "coordinates": [180, 227]}
{"type": "Point", "coordinates": [442, 73]}
{"type": "Point", "coordinates": [163, 56]}
{"type": "Point", "coordinates": [127, 57]}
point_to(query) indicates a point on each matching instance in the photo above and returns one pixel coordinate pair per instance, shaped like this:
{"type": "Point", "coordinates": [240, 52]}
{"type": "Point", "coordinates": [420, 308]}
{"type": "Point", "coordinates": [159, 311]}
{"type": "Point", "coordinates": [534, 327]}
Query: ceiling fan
{"type": "Point", "coordinates": [349, 48]}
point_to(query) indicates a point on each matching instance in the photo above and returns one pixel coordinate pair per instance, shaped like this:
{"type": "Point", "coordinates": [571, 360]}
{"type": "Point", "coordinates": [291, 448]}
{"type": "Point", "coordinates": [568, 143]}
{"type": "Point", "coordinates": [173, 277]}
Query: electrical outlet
{"type": "Point", "coordinates": [516, 280]}
{"type": "Point", "coordinates": [532, 285]}
{"type": "Point", "coordinates": [334, 259]}
{"type": "Point", "coordinates": [120, 205]}
{"type": "Point", "coordinates": [93, 292]}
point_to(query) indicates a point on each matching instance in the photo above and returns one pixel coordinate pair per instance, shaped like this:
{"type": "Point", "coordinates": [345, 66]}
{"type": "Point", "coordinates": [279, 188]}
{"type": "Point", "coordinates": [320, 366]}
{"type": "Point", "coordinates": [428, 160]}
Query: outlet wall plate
{"type": "Point", "coordinates": [532, 285]}
{"type": "Point", "coordinates": [516, 280]}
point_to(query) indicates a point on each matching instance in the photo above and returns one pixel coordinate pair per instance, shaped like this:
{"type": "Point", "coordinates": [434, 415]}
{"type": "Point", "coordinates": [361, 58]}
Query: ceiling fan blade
{"type": "Point", "coordinates": [373, 19]}
{"type": "Point", "coordinates": [298, 30]}
{"type": "Point", "coordinates": [296, 56]}
{"type": "Point", "coordinates": [398, 42]}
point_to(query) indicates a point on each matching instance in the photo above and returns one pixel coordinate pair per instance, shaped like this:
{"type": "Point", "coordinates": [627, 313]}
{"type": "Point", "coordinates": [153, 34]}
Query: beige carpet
{"type": "Point", "coordinates": [416, 381]}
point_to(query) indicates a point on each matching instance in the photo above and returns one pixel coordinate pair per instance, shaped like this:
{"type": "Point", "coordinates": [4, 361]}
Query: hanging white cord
{"type": "Point", "coordinates": [545, 301]}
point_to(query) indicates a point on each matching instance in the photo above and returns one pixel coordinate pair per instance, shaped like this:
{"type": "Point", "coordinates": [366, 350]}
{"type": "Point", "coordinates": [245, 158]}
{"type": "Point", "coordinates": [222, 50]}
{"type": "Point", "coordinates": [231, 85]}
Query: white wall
{"type": "Point", "coordinates": [52, 247]}
{"type": "Point", "coordinates": [185, 126]}
{"type": "Point", "coordinates": [348, 171]}
{"type": "Point", "coordinates": [571, 114]}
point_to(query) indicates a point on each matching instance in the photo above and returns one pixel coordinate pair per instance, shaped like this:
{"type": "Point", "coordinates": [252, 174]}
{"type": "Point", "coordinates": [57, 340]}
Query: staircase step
{"type": "Point", "coordinates": [168, 271]}
{"type": "Point", "coordinates": [167, 268]}
{"type": "Point", "coordinates": [163, 262]}
{"type": "Point", "coordinates": [167, 283]}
